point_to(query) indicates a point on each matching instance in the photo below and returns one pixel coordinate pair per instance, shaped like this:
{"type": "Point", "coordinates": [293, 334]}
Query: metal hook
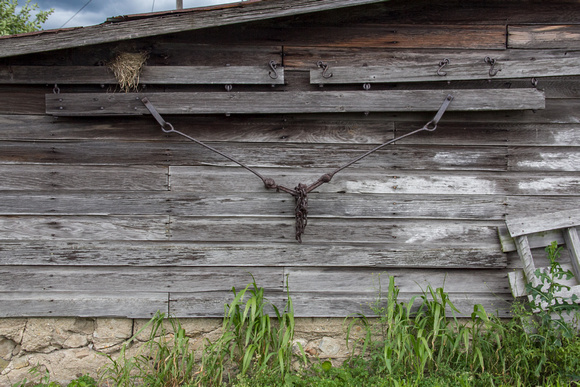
{"type": "Point", "coordinates": [273, 67]}
{"type": "Point", "coordinates": [55, 89]}
{"type": "Point", "coordinates": [442, 64]}
{"type": "Point", "coordinates": [535, 82]}
{"type": "Point", "coordinates": [491, 62]}
{"type": "Point", "coordinates": [324, 67]}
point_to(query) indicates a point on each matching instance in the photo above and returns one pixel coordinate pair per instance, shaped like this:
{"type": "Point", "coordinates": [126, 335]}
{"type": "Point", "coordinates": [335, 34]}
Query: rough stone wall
{"type": "Point", "coordinates": [71, 347]}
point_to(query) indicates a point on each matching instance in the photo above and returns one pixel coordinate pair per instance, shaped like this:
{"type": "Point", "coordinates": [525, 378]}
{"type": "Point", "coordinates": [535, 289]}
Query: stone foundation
{"type": "Point", "coordinates": [70, 347]}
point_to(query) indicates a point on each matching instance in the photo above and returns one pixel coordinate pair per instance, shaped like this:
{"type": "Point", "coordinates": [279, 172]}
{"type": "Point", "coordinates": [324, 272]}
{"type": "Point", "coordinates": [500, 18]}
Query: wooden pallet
{"type": "Point", "coordinates": [524, 233]}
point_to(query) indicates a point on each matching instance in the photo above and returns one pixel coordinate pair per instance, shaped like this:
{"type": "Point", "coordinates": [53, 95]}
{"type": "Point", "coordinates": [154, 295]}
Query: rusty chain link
{"type": "Point", "coordinates": [301, 191]}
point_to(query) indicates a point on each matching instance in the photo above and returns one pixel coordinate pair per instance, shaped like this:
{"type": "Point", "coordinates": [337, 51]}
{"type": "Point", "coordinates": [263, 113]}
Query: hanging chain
{"type": "Point", "coordinates": [301, 191]}
{"type": "Point", "coordinates": [301, 210]}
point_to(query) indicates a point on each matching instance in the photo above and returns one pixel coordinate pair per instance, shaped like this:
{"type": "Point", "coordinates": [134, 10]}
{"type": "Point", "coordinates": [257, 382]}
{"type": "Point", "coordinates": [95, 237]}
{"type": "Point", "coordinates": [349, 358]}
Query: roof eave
{"type": "Point", "coordinates": [167, 23]}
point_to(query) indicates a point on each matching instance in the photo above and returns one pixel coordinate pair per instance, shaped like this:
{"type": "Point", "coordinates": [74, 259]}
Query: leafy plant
{"type": "Point", "coordinates": [251, 343]}
{"type": "Point", "coordinates": [15, 22]}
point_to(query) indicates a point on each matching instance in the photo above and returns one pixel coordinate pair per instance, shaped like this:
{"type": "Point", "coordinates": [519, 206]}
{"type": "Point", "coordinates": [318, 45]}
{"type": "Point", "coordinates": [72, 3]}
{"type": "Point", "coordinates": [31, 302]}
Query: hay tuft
{"type": "Point", "coordinates": [127, 67]}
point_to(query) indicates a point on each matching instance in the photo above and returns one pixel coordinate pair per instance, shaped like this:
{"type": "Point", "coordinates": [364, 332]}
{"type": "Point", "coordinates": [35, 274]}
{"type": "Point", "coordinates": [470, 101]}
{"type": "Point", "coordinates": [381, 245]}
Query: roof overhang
{"type": "Point", "coordinates": [141, 26]}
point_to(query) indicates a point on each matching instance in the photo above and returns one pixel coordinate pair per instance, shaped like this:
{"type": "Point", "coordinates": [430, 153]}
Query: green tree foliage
{"type": "Point", "coordinates": [13, 21]}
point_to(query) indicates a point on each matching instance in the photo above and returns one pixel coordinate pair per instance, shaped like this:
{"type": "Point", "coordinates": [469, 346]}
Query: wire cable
{"type": "Point", "coordinates": [72, 17]}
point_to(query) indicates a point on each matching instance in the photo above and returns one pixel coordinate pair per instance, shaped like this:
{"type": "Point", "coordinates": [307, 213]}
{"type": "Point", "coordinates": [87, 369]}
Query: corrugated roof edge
{"type": "Point", "coordinates": [160, 23]}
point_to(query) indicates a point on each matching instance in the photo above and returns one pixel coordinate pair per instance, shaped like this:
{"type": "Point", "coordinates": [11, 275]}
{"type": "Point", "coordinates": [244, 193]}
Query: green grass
{"type": "Point", "coordinates": [420, 342]}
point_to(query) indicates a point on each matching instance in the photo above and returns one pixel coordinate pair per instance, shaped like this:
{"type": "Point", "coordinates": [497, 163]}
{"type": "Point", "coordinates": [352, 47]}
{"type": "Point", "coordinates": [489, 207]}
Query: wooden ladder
{"type": "Point", "coordinates": [525, 233]}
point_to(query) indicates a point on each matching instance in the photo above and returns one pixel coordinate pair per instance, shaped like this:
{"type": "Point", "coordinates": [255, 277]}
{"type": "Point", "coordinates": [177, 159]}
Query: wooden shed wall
{"type": "Point", "coordinates": [105, 216]}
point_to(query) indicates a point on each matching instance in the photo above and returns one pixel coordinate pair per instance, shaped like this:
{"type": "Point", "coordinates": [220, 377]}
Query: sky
{"type": "Point", "coordinates": [97, 11]}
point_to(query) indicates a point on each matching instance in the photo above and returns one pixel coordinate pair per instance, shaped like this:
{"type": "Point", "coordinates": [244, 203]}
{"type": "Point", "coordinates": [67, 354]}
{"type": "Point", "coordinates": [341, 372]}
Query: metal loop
{"type": "Point", "coordinates": [366, 86]}
{"type": "Point", "coordinates": [534, 82]}
{"type": "Point", "coordinates": [430, 126]}
{"type": "Point", "coordinates": [442, 64]}
{"type": "Point", "coordinates": [273, 67]}
{"type": "Point", "coordinates": [228, 87]}
{"type": "Point", "coordinates": [55, 89]}
{"type": "Point", "coordinates": [170, 130]}
{"type": "Point", "coordinates": [491, 62]}
{"type": "Point", "coordinates": [324, 67]}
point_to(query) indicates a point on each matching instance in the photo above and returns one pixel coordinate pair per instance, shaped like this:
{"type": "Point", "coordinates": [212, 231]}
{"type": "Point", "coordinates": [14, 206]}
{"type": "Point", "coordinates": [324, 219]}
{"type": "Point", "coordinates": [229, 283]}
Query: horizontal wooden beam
{"type": "Point", "coordinates": [91, 104]}
{"type": "Point", "coordinates": [542, 222]}
{"type": "Point", "coordinates": [152, 75]}
{"type": "Point", "coordinates": [544, 36]}
{"type": "Point", "coordinates": [428, 72]}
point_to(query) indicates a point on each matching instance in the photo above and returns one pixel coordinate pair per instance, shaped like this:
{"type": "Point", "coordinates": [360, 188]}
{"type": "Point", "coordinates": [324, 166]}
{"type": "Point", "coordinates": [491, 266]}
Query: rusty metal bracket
{"type": "Point", "coordinates": [324, 67]}
{"type": "Point", "coordinates": [273, 66]}
{"type": "Point", "coordinates": [301, 191]}
{"type": "Point", "coordinates": [442, 64]}
{"type": "Point", "coordinates": [492, 62]}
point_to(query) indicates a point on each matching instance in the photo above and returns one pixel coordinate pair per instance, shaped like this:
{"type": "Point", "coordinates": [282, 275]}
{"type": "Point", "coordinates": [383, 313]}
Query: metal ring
{"type": "Point", "coordinates": [167, 130]}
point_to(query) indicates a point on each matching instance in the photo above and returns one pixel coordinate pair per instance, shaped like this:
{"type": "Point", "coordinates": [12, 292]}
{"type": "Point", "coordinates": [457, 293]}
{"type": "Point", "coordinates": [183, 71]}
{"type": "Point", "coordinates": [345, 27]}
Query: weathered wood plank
{"type": "Point", "coordinates": [544, 36]}
{"type": "Point", "coordinates": [519, 206]}
{"type": "Point", "coordinates": [542, 222]}
{"type": "Point", "coordinates": [150, 75]}
{"type": "Point", "coordinates": [537, 240]}
{"type": "Point", "coordinates": [497, 134]}
{"type": "Point", "coordinates": [87, 104]}
{"type": "Point", "coordinates": [573, 246]}
{"type": "Point", "coordinates": [82, 178]}
{"type": "Point", "coordinates": [84, 227]}
{"type": "Point", "coordinates": [262, 128]}
{"type": "Point", "coordinates": [344, 305]}
{"type": "Point", "coordinates": [427, 233]}
{"type": "Point", "coordinates": [151, 279]}
{"type": "Point", "coordinates": [252, 154]}
{"type": "Point", "coordinates": [544, 159]}
{"type": "Point", "coordinates": [169, 23]}
{"type": "Point", "coordinates": [525, 253]}
{"type": "Point", "coordinates": [235, 205]}
{"type": "Point", "coordinates": [225, 179]}
{"type": "Point", "coordinates": [177, 254]}
{"type": "Point", "coordinates": [306, 57]}
{"type": "Point", "coordinates": [455, 71]}
{"type": "Point", "coordinates": [327, 304]}
{"type": "Point", "coordinates": [82, 304]}
{"type": "Point", "coordinates": [408, 281]}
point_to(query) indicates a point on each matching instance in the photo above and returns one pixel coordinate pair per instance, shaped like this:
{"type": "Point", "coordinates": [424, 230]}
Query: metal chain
{"type": "Point", "coordinates": [301, 191]}
{"type": "Point", "coordinates": [301, 210]}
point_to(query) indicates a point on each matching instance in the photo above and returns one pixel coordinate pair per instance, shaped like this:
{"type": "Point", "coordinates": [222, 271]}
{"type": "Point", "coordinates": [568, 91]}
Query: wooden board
{"type": "Point", "coordinates": [306, 57]}
{"type": "Point", "coordinates": [149, 75]}
{"type": "Point", "coordinates": [371, 280]}
{"type": "Point", "coordinates": [253, 154]}
{"type": "Point", "coordinates": [544, 36]}
{"type": "Point", "coordinates": [146, 280]}
{"type": "Point", "coordinates": [82, 304]}
{"type": "Point", "coordinates": [84, 228]}
{"type": "Point", "coordinates": [267, 203]}
{"type": "Point", "coordinates": [296, 102]}
{"type": "Point", "coordinates": [242, 255]}
{"type": "Point", "coordinates": [327, 304]}
{"type": "Point", "coordinates": [534, 240]}
{"type": "Point", "coordinates": [453, 71]}
{"type": "Point", "coordinates": [542, 222]}
{"type": "Point", "coordinates": [429, 234]}
{"type": "Point", "coordinates": [229, 179]}
{"type": "Point", "coordinates": [83, 178]}
{"type": "Point", "coordinates": [543, 159]}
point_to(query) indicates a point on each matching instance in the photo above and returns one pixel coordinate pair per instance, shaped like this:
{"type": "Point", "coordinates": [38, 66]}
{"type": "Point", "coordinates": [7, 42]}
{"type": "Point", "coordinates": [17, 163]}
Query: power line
{"type": "Point", "coordinates": [83, 7]}
{"type": "Point", "coordinates": [153, 6]}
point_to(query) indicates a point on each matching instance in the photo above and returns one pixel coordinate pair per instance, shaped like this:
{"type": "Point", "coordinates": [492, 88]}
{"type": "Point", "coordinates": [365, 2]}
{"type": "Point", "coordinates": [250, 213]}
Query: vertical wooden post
{"type": "Point", "coordinates": [179, 4]}
{"type": "Point", "coordinates": [573, 245]}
